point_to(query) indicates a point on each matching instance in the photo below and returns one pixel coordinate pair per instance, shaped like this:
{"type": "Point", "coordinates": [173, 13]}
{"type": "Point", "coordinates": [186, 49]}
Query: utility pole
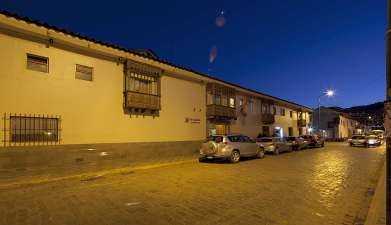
{"type": "Point", "coordinates": [387, 119]}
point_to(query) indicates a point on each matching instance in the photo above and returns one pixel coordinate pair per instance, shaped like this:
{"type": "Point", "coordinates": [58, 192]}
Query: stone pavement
{"type": "Point", "coordinates": [333, 185]}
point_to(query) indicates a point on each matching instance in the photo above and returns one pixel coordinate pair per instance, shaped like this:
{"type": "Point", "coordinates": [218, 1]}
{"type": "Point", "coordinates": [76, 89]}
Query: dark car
{"type": "Point", "coordinates": [313, 140]}
{"type": "Point", "coordinates": [298, 143]}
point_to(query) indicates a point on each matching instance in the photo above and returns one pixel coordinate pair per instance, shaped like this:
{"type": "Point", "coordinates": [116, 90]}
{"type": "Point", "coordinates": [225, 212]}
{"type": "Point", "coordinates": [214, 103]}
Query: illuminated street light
{"type": "Point", "coordinates": [327, 93]}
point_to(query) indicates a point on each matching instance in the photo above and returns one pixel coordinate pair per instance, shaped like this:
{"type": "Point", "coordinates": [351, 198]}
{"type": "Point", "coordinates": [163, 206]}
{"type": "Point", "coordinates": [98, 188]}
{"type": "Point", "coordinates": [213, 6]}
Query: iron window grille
{"type": "Point", "coordinates": [38, 63]}
{"type": "Point", "coordinates": [27, 129]}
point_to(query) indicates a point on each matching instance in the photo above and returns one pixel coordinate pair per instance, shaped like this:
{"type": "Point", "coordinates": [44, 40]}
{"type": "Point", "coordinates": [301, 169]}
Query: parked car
{"type": "Point", "coordinates": [298, 143]}
{"type": "Point", "coordinates": [373, 140]}
{"type": "Point", "coordinates": [313, 140]}
{"type": "Point", "coordinates": [274, 145]}
{"type": "Point", "coordinates": [230, 147]}
{"type": "Point", "coordinates": [358, 140]}
{"type": "Point", "coordinates": [379, 134]}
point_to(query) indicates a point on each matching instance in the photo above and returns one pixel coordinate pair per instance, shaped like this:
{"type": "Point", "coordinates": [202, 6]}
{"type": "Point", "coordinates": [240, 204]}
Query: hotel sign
{"type": "Point", "coordinates": [192, 120]}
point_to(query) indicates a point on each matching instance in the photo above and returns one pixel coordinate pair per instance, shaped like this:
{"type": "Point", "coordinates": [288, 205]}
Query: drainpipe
{"type": "Point", "coordinates": [387, 119]}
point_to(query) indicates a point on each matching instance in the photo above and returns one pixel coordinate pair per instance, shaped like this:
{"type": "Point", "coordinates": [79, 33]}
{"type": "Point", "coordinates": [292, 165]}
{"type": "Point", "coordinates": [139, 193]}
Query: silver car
{"type": "Point", "coordinates": [230, 147]}
{"type": "Point", "coordinates": [275, 145]}
{"type": "Point", "coordinates": [358, 140]}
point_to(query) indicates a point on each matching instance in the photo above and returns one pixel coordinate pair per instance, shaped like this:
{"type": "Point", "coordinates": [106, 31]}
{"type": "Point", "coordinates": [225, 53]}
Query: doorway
{"type": "Point", "coordinates": [290, 131]}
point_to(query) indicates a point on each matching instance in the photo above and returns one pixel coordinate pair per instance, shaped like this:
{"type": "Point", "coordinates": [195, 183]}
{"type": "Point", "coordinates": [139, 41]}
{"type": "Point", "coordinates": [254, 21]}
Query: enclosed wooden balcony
{"type": "Point", "coordinates": [268, 118]}
{"type": "Point", "coordinates": [138, 100]}
{"type": "Point", "coordinates": [220, 112]}
{"type": "Point", "coordinates": [301, 122]}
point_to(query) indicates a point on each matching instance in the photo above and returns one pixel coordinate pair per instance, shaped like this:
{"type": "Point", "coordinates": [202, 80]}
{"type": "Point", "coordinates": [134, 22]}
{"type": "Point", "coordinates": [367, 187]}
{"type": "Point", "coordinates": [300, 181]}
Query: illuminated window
{"type": "Point", "coordinates": [232, 102]}
{"type": "Point", "coordinates": [38, 63]}
{"type": "Point", "coordinates": [83, 72]}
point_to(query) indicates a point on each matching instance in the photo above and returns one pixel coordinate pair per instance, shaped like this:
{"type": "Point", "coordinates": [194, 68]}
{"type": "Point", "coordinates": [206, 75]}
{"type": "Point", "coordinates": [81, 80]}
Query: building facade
{"type": "Point", "coordinates": [336, 124]}
{"type": "Point", "coordinates": [60, 88]}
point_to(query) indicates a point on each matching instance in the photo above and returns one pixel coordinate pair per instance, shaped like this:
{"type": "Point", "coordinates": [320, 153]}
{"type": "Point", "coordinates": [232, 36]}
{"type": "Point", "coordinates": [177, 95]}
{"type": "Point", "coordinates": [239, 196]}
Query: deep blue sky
{"type": "Point", "coordinates": [292, 49]}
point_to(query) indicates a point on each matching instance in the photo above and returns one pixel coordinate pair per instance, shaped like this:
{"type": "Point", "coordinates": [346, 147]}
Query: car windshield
{"type": "Point", "coordinates": [358, 137]}
{"type": "Point", "coordinates": [290, 138]}
{"type": "Point", "coordinates": [216, 139]}
{"type": "Point", "coordinates": [371, 136]}
{"type": "Point", "coordinates": [265, 140]}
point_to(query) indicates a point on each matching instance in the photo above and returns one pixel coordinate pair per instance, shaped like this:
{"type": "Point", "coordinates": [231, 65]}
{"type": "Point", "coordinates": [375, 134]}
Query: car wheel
{"type": "Point", "coordinates": [261, 153]}
{"type": "Point", "coordinates": [276, 151]}
{"type": "Point", "coordinates": [235, 156]}
{"type": "Point", "coordinates": [201, 159]}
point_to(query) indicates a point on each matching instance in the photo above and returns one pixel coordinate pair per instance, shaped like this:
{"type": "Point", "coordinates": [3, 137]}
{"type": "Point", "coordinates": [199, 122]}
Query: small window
{"type": "Point", "coordinates": [83, 72]}
{"type": "Point", "coordinates": [291, 114]}
{"type": "Point", "coordinates": [274, 110]}
{"type": "Point", "coordinates": [38, 63]}
{"type": "Point", "coordinates": [282, 112]}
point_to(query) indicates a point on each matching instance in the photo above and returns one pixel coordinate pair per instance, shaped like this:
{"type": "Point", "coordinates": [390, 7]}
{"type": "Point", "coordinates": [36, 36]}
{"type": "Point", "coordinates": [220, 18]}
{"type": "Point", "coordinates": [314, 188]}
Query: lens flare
{"type": "Point", "coordinates": [220, 20]}
{"type": "Point", "coordinates": [212, 54]}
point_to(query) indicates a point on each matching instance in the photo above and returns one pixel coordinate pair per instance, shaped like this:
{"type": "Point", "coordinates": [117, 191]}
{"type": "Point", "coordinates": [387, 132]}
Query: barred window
{"type": "Point", "coordinates": [142, 84]}
{"type": "Point", "coordinates": [83, 72]}
{"type": "Point", "coordinates": [33, 129]}
{"type": "Point", "coordinates": [38, 63]}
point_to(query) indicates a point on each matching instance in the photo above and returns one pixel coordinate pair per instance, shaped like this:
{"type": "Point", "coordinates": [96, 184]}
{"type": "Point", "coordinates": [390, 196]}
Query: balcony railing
{"type": "Point", "coordinates": [138, 100]}
{"type": "Point", "coordinates": [301, 122]}
{"type": "Point", "coordinates": [219, 111]}
{"type": "Point", "coordinates": [268, 118]}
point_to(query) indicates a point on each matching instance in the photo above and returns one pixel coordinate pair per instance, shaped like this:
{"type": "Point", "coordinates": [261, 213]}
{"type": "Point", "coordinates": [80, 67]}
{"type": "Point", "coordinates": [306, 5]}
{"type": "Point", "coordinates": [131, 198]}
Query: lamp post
{"type": "Point", "coordinates": [327, 93]}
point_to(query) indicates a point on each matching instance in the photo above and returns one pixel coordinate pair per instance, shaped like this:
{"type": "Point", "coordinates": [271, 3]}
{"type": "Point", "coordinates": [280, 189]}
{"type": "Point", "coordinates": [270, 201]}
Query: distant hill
{"type": "Point", "coordinates": [375, 107]}
{"type": "Point", "coordinates": [371, 114]}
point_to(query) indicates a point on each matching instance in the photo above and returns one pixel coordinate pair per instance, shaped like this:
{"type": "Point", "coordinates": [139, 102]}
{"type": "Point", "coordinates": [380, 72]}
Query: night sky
{"type": "Point", "coordinates": [292, 49]}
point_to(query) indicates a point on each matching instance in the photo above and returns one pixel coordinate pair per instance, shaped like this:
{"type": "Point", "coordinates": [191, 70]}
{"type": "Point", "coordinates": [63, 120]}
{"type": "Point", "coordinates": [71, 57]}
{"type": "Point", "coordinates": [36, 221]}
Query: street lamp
{"type": "Point", "coordinates": [327, 93]}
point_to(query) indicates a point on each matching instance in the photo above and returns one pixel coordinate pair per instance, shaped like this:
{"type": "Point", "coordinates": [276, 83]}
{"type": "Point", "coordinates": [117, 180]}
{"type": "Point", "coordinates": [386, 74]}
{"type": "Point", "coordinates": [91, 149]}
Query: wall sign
{"type": "Point", "coordinates": [192, 120]}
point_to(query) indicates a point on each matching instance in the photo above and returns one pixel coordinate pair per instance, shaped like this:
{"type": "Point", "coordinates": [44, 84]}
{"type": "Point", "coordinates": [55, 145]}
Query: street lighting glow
{"type": "Point", "coordinates": [330, 93]}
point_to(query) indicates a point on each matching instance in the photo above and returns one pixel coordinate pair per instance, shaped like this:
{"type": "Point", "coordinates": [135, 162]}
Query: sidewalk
{"type": "Point", "coordinates": [36, 177]}
{"type": "Point", "coordinates": [377, 210]}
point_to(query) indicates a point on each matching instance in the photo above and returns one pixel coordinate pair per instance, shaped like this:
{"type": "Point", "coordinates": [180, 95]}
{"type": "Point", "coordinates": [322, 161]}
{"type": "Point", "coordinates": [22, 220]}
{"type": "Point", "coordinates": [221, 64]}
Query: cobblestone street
{"type": "Point", "coordinates": [332, 185]}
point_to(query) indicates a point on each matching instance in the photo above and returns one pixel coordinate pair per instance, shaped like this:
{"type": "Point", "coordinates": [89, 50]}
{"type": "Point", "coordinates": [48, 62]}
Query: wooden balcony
{"type": "Point", "coordinates": [301, 122]}
{"type": "Point", "coordinates": [268, 118]}
{"type": "Point", "coordinates": [138, 100]}
{"type": "Point", "coordinates": [220, 112]}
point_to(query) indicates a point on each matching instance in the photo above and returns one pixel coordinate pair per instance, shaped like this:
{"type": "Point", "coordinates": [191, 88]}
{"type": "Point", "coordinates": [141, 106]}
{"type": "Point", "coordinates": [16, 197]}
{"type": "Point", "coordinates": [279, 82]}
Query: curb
{"type": "Point", "coordinates": [92, 175]}
{"type": "Point", "coordinates": [376, 212]}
